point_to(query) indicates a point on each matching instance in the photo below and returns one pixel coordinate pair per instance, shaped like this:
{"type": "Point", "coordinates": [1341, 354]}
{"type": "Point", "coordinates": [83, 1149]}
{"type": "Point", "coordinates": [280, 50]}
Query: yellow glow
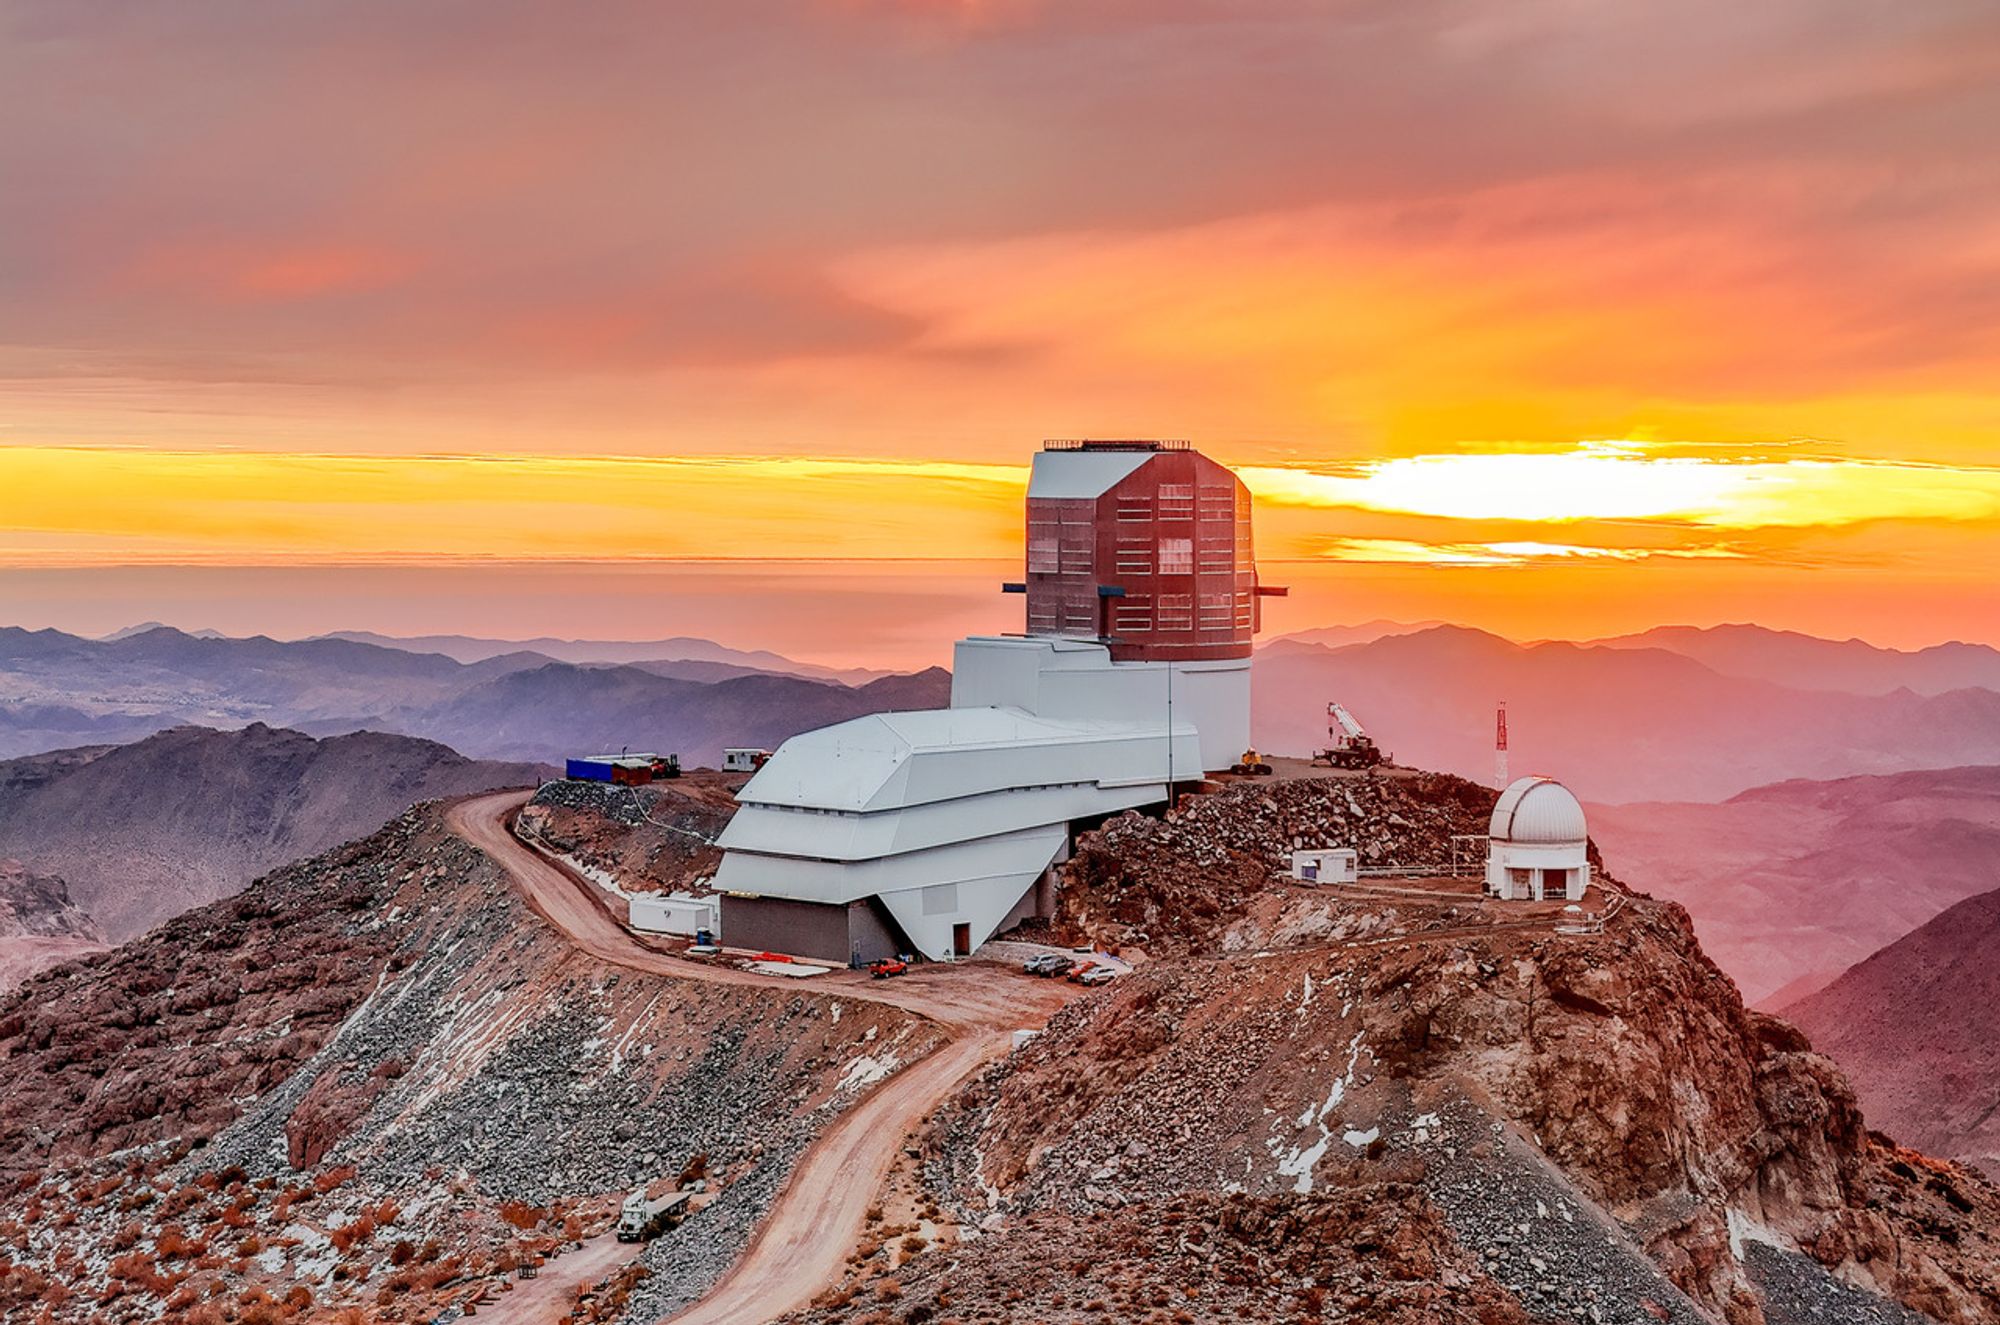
{"type": "Point", "coordinates": [94, 506]}
{"type": "Point", "coordinates": [1410, 552]}
{"type": "Point", "coordinates": [86, 506]}
{"type": "Point", "coordinates": [1626, 481]}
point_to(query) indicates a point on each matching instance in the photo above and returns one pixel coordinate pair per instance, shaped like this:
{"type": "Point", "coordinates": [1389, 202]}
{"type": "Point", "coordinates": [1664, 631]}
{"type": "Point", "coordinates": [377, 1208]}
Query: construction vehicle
{"type": "Point", "coordinates": [887, 967]}
{"type": "Point", "coordinates": [1252, 764]}
{"type": "Point", "coordinates": [1348, 744]}
{"type": "Point", "coordinates": [644, 1217]}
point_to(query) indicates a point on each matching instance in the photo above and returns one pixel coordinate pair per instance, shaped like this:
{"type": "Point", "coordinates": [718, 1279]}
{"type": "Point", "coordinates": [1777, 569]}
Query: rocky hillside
{"type": "Point", "coordinates": [1204, 877]}
{"type": "Point", "coordinates": [1792, 883]}
{"type": "Point", "coordinates": [1409, 1107]}
{"type": "Point", "coordinates": [658, 838]}
{"type": "Point", "coordinates": [39, 925]}
{"type": "Point", "coordinates": [1917, 1028]}
{"type": "Point", "coordinates": [142, 832]}
{"type": "Point", "coordinates": [374, 1082]}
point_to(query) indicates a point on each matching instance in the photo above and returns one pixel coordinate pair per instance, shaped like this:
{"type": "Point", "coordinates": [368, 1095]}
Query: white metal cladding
{"type": "Point", "coordinates": [1538, 810]}
{"type": "Point", "coordinates": [853, 835]}
{"type": "Point", "coordinates": [1006, 862]}
{"type": "Point", "coordinates": [891, 761]}
{"type": "Point", "coordinates": [1076, 680]}
{"type": "Point", "coordinates": [1081, 474]}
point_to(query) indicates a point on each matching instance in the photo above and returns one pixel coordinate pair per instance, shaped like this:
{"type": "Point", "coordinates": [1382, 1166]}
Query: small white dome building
{"type": "Point", "coordinates": [1538, 848]}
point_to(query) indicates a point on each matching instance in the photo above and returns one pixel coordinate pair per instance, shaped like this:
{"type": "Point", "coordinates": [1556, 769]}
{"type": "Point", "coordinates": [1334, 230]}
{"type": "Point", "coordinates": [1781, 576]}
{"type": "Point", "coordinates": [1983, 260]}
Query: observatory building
{"type": "Point", "coordinates": [1539, 846]}
{"type": "Point", "coordinates": [930, 831]}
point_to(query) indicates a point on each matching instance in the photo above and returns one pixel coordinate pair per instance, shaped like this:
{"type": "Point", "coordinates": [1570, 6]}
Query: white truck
{"type": "Point", "coordinates": [644, 1217]}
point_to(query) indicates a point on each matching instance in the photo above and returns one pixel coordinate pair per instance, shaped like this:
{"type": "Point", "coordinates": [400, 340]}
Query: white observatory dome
{"type": "Point", "coordinates": [1540, 811]}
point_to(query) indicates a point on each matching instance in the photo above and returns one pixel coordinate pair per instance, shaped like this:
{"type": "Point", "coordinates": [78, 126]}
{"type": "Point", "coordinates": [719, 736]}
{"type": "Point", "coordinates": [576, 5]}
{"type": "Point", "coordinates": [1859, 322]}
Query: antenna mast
{"type": "Point", "coordinates": [1500, 747]}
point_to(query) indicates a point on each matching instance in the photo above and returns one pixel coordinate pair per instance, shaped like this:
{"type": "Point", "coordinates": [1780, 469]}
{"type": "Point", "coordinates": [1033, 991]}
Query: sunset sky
{"type": "Point", "coordinates": [743, 319]}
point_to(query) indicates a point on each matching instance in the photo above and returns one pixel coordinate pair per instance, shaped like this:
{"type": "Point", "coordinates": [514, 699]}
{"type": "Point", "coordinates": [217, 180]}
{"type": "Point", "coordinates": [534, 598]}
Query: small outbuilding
{"type": "Point", "coordinates": [1334, 865]}
{"type": "Point", "coordinates": [675, 913]}
{"type": "Point", "coordinates": [1539, 845]}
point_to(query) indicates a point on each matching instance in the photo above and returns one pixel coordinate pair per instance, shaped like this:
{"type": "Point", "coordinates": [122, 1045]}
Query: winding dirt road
{"type": "Point", "coordinates": [818, 1217]}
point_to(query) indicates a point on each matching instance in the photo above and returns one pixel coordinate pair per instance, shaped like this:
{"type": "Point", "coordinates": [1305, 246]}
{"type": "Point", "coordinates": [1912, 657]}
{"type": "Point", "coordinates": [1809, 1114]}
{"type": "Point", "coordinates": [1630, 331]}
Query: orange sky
{"type": "Point", "coordinates": [1558, 319]}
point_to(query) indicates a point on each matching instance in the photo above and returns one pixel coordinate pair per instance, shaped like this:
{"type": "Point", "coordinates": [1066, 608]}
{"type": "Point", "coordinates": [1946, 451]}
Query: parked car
{"type": "Point", "coordinates": [1046, 964]}
{"type": "Point", "coordinates": [887, 967]}
{"type": "Point", "coordinates": [1097, 975]}
{"type": "Point", "coordinates": [1081, 969]}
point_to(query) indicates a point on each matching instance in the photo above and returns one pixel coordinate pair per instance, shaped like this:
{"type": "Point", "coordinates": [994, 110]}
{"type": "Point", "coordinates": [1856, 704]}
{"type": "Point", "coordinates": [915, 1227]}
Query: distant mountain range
{"type": "Point", "coordinates": [1616, 723]}
{"type": "Point", "coordinates": [1620, 721]}
{"type": "Point", "coordinates": [680, 649]}
{"type": "Point", "coordinates": [1793, 883]}
{"type": "Point", "coordinates": [58, 690]}
{"type": "Point", "coordinates": [144, 831]}
{"type": "Point", "coordinates": [1334, 637]}
{"type": "Point", "coordinates": [1916, 1027]}
{"type": "Point", "coordinates": [557, 708]}
{"type": "Point", "coordinates": [1805, 662]}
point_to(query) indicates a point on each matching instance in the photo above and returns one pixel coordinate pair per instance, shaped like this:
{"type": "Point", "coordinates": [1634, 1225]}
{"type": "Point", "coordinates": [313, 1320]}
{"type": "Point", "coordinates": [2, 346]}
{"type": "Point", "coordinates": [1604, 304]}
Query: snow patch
{"type": "Point", "coordinates": [867, 1069]}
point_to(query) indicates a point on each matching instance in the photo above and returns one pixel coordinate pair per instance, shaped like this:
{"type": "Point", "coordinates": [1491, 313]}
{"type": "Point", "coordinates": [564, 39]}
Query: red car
{"type": "Point", "coordinates": [887, 967]}
{"type": "Point", "coordinates": [1076, 973]}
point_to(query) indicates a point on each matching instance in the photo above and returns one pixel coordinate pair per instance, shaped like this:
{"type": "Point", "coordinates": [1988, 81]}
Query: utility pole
{"type": "Point", "coordinates": [1500, 747]}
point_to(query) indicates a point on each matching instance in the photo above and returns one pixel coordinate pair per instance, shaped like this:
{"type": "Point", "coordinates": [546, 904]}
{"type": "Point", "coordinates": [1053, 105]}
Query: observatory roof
{"type": "Point", "coordinates": [1538, 810]}
{"type": "Point", "coordinates": [1081, 473]}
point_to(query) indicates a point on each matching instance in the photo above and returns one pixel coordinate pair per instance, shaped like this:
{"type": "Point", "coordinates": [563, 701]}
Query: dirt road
{"type": "Point", "coordinates": [819, 1216]}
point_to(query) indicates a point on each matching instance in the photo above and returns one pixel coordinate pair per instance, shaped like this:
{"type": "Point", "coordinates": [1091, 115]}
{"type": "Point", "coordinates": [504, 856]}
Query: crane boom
{"type": "Point", "coordinates": [1348, 742]}
{"type": "Point", "coordinates": [1346, 721]}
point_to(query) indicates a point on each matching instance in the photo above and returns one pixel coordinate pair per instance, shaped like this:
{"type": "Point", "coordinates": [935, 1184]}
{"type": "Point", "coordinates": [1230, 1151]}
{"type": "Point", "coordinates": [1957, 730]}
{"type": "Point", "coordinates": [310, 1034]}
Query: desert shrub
{"type": "Point", "coordinates": [174, 1241]}
{"type": "Point", "coordinates": [333, 1178]}
{"type": "Point", "coordinates": [355, 1231]}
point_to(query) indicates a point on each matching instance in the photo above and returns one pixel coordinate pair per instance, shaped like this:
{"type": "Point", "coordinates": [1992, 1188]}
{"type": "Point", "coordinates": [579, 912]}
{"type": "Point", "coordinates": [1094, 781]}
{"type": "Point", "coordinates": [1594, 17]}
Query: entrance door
{"type": "Point", "coordinates": [961, 940]}
{"type": "Point", "coordinates": [1555, 885]}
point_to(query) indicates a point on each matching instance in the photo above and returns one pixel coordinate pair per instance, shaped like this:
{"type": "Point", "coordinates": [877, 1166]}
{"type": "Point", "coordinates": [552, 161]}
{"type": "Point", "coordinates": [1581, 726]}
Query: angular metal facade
{"type": "Point", "coordinates": [1148, 549]}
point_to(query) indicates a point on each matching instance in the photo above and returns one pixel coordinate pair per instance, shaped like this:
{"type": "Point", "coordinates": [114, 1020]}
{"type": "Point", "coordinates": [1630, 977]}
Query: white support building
{"type": "Point", "coordinates": [674, 913]}
{"type": "Point", "coordinates": [1327, 865]}
{"type": "Point", "coordinates": [1539, 847]}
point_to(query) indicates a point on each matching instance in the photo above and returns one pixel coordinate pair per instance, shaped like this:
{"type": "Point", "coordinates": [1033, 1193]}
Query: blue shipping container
{"type": "Point", "coordinates": [589, 770]}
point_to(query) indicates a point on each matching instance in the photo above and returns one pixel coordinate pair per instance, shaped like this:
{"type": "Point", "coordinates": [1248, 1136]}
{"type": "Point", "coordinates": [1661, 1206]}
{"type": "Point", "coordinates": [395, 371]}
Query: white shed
{"type": "Point", "coordinates": [675, 913]}
{"type": "Point", "coordinates": [743, 759]}
{"type": "Point", "coordinates": [1330, 865]}
{"type": "Point", "coordinates": [1539, 846]}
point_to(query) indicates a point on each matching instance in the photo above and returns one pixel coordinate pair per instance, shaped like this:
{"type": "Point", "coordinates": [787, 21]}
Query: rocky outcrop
{"type": "Point", "coordinates": [39, 906]}
{"type": "Point", "coordinates": [1615, 1078]}
{"type": "Point", "coordinates": [39, 926]}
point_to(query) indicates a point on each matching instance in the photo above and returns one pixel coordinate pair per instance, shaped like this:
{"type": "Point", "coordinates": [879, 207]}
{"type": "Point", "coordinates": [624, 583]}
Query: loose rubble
{"type": "Point", "coordinates": [654, 838]}
{"type": "Point", "coordinates": [425, 1053]}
